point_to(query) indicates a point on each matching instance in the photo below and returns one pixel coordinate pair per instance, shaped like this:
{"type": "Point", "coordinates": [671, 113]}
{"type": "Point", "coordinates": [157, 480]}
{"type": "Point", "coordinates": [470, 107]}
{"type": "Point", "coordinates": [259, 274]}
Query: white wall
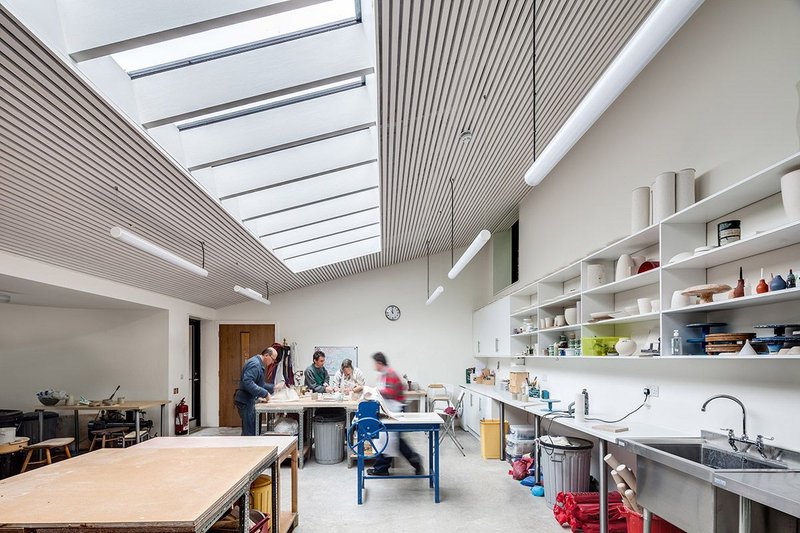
{"type": "Point", "coordinates": [720, 97]}
{"type": "Point", "coordinates": [82, 351]}
{"type": "Point", "coordinates": [429, 343]}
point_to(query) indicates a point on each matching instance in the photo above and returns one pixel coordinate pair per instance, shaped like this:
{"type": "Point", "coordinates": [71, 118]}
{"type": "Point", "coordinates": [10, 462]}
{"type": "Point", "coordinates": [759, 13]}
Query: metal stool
{"type": "Point", "coordinates": [450, 415]}
{"type": "Point", "coordinates": [47, 446]}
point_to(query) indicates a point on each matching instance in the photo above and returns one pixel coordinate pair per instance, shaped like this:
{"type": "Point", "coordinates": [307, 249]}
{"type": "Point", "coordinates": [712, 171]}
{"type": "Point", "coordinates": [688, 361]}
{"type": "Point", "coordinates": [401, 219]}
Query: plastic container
{"type": "Point", "coordinates": [519, 446]}
{"type": "Point", "coordinates": [522, 432]}
{"type": "Point", "coordinates": [329, 437]}
{"type": "Point", "coordinates": [490, 438]}
{"type": "Point", "coordinates": [635, 523]}
{"type": "Point", "coordinates": [565, 468]}
{"type": "Point", "coordinates": [261, 494]}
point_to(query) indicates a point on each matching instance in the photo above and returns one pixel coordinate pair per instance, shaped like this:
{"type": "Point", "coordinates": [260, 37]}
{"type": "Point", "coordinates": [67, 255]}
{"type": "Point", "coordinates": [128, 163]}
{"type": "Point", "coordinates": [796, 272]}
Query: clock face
{"type": "Point", "coordinates": [392, 312]}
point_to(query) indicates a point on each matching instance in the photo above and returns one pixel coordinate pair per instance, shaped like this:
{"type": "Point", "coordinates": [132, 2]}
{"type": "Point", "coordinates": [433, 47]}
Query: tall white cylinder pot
{"type": "Point", "coordinates": [684, 188]}
{"type": "Point", "coordinates": [663, 196]}
{"type": "Point", "coordinates": [790, 193]}
{"type": "Point", "coordinates": [640, 209]}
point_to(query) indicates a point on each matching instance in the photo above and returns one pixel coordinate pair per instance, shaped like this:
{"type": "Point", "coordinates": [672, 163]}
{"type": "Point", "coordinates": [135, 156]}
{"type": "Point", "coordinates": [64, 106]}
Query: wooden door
{"type": "Point", "coordinates": [237, 343]}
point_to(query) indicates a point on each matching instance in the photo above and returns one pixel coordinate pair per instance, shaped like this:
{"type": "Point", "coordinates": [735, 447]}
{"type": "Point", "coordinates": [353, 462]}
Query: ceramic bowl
{"type": "Point", "coordinates": [680, 257]}
{"type": "Point", "coordinates": [632, 310]}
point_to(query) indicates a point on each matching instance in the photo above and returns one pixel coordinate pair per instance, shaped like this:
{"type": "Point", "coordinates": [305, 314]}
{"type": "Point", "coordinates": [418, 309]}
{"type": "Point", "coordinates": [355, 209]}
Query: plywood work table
{"type": "Point", "coordinates": [133, 489]}
{"type": "Point", "coordinates": [287, 449]}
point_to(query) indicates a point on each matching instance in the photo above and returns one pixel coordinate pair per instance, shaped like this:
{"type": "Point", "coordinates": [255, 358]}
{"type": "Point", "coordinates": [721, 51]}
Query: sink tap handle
{"type": "Point", "coordinates": [729, 431]}
{"type": "Point", "coordinates": [762, 437]}
{"type": "Point", "coordinates": [731, 438]}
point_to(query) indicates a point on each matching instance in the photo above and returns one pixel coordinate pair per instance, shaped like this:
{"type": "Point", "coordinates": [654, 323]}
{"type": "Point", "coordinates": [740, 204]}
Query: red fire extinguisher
{"type": "Point", "coordinates": [182, 418]}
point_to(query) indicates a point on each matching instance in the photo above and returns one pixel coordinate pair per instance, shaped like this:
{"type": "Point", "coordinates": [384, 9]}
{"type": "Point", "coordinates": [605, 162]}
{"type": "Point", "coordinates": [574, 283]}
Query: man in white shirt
{"type": "Point", "coordinates": [348, 379]}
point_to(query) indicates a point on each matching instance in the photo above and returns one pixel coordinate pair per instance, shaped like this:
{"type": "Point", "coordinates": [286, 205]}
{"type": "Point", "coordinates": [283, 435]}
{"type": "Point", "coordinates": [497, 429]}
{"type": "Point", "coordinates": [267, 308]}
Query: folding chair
{"type": "Point", "coordinates": [450, 414]}
{"type": "Point", "coordinates": [437, 393]}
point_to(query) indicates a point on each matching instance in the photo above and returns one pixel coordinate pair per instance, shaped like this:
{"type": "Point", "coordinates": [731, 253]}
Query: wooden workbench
{"type": "Point", "coordinates": [287, 449]}
{"type": "Point", "coordinates": [132, 490]}
{"type": "Point", "coordinates": [300, 407]}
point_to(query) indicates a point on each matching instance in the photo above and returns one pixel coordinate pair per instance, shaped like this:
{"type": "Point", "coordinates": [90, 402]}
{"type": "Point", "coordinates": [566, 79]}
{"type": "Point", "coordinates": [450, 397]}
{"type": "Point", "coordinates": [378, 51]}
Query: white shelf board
{"type": "Point", "coordinates": [523, 334]}
{"type": "Point", "coordinates": [625, 320]}
{"type": "Point", "coordinates": [641, 240]}
{"type": "Point", "coordinates": [525, 311]}
{"type": "Point", "coordinates": [745, 301]}
{"type": "Point", "coordinates": [634, 282]}
{"type": "Point", "coordinates": [559, 276]}
{"type": "Point", "coordinates": [575, 327]}
{"type": "Point", "coordinates": [760, 243]}
{"type": "Point", "coordinates": [561, 300]}
{"type": "Point", "coordinates": [528, 290]}
{"type": "Point", "coordinates": [760, 185]}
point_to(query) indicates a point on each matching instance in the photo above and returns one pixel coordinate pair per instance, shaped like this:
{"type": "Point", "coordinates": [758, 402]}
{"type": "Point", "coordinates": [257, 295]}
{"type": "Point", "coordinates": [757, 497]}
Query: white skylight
{"type": "Point", "coordinates": [236, 35]}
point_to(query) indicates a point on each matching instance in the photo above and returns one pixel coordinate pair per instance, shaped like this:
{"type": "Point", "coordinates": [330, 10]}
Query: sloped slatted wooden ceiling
{"type": "Point", "coordinates": [72, 166]}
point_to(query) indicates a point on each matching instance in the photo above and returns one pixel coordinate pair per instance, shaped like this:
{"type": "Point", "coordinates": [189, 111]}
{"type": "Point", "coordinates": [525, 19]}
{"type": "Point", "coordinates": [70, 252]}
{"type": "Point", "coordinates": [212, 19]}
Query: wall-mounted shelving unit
{"type": "Point", "coordinates": [769, 241]}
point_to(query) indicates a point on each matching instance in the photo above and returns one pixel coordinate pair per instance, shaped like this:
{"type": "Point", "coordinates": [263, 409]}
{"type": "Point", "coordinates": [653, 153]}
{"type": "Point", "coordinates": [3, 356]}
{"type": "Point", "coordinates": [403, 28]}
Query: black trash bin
{"type": "Point", "coordinates": [8, 462]}
{"type": "Point", "coordinates": [30, 426]}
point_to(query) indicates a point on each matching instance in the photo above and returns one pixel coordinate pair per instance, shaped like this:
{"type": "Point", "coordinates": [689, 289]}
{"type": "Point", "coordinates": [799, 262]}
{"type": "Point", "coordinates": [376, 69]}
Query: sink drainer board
{"type": "Point", "coordinates": [675, 481]}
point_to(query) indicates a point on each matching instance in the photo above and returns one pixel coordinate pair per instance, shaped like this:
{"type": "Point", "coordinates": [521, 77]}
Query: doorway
{"type": "Point", "coordinates": [194, 392]}
{"type": "Point", "coordinates": [237, 343]}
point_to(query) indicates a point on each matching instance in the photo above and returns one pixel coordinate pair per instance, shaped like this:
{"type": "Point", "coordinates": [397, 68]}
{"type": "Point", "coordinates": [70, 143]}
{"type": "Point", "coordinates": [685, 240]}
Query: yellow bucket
{"type": "Point", "coordinates": [261, 494]}
{"type": "Point", "coordinates": [490, 438]}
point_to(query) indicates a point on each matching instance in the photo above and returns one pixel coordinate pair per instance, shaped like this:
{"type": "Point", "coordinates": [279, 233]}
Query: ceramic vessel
{"type": "Point", "coordinates": [560, 321]}
{"type": "Point", "coordinates": [684, 188]}
{"type": "Point", "coordinates": [571, 315]}
{"type": "Point", "coordinates": [777, 283]}
{"type": "Point", "coordinates": [747, 349]}
{"type": "Point", "coordinates": [790, 193]}
{"type": "Point", "coordinates": [625, 346]}
{"type": "Point", "coordinates": [644, 305]}
{"type": "Point", "coordinates": [625, 267]}
{"type": "Point", "coordinates": [663, 196]}
{"type": "Point", "coordinates": [548, 322]}
{"type": "Point", "coordinates": [596, 275]}
{"type": "Point", "coordinates": [679, 300]}
{"type": "Point", "coordinates": [655, 305]}
{"type": "Point", "coordinates": [791, 280]}
{"type": "Point", "coordinates": [640, 209]}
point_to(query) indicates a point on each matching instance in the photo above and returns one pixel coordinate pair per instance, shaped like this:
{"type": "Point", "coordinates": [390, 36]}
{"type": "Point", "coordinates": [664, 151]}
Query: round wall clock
{"type": "Point", "coordinates": [392, 312]}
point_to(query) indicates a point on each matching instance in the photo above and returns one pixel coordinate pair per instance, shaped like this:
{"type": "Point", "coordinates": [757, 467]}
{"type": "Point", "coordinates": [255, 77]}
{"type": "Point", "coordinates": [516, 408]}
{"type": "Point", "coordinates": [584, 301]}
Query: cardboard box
{"type": "Point", "coordinates": [516, 380]}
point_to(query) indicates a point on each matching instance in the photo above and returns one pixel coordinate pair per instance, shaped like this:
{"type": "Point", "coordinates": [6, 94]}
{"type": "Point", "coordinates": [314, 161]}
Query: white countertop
{"type": "Point", "coordinates": [536, 407]}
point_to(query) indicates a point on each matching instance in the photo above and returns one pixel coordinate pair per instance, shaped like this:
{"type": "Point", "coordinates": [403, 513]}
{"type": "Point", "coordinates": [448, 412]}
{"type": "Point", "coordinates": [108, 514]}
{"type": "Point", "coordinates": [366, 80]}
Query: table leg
{"type": "Point", "coordinates": [744, 515]}
{"type": "Point", "coordinates": [276, 496]}
{"type": "Point", "coordinates": [258, 424]}
{"type": "Point", "coordinates": [430, 458]}
{"type": "Point", "coordinates": [648, 521]}
{"type": "Point", "coordinates": [537, 430]}
{"type": "Point", "coordinates": [360, 472]}
{"type": "Point", "coordinates": [294, 484]}
{"type": "Point", "coordinates": [161, 421]}
{"type": "Point", "coordinates": [77, 424]}
{"type": "Point", "coordinates": [602, 445]}
{"type": "Point", "coordinates": [301, 437]}
{"type": "Point", "coordinates": [40, 412]}
{"type": "Point", "coordinates": [136, 418]}
{"type": "Point", "coordinates": [244, 510]}
{"type": "Point", "coordinates": [436, 465]}
{"type": "Point", "coordinates": [502, 431]}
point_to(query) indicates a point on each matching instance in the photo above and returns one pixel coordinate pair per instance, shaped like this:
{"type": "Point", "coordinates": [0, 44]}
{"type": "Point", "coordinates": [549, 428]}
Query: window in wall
{"type": "Point", "coordinates": [505, 257]}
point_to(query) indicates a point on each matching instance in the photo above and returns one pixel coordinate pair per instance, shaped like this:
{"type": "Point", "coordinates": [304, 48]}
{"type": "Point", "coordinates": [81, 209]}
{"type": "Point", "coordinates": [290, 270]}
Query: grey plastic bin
{"type": "Point", "coordinates": [329, 436]}
{"type": "Point", "coordinates": [565, 468]}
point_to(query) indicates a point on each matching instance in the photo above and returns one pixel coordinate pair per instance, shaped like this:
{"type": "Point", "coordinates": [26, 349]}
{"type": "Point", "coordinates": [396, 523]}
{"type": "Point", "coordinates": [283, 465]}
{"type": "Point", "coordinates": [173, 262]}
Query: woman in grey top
{"type": "Point", "coordinates": [348, 379]}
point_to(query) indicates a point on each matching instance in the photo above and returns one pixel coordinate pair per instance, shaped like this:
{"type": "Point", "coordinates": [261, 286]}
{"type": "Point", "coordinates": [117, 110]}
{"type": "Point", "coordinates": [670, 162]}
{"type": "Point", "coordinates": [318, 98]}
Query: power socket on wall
{"type": "Point", "coordinates": [653, 390]}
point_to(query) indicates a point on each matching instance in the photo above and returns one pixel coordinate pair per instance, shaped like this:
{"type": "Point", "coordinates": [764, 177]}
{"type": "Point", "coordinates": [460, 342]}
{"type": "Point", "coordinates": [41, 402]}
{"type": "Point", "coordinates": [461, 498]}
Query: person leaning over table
{"type": "Point", "coordinates": [348, 379]}
{"type": "Point", "coordinates": [316, 375]}
{"type": "Point", "coordinates": [254, 388]}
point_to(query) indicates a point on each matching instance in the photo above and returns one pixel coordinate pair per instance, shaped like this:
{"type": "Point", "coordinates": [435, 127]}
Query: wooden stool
{"type": "Point", "coordinates": [47, 445]}
{"type": "Point", "coordinates": [106, 435]}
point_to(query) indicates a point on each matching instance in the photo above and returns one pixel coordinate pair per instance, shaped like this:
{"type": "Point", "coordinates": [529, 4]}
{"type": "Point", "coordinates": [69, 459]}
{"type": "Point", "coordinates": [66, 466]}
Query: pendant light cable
{"type": "Point", "coordinates": [452, 220]}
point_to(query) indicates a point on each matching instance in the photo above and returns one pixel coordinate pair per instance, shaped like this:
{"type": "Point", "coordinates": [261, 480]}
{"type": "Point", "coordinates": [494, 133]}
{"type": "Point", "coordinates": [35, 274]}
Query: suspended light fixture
{"type": "Point", "coordinates": [473, 249]}
{"type": "Point", "coordinates": [157, 251]}
{"type": "Point", "coordinates": [253, 295]}
{"type": "Point", "coordinates": [439, 290]}
{"type": "Point", "coordinates": [667, 17]}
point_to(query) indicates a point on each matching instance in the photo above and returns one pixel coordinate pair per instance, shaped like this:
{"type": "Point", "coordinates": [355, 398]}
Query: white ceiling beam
{"type": "Point", "coordinates": [258, 133]}
{"type": "Point", "coordinates": [295, 163]}
{"type": "Point", "coordinates": [96, 28]}
{"type": "Point", "coordinates": [248, 77]}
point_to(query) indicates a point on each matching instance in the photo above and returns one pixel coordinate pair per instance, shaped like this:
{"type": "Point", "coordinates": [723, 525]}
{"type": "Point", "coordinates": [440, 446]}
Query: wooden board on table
{"type": "Point", "coordinates": [281, 442]}
{"type": "Point", "coordinates": [133, 488]}
{"type": "Point", "coordinates": [610, 428]}
{"type": "Point", "coordinates": [129, 405]}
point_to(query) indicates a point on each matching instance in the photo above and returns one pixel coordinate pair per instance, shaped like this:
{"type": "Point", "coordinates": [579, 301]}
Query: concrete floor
{"type": "Point", "coordinates": [477, 496]}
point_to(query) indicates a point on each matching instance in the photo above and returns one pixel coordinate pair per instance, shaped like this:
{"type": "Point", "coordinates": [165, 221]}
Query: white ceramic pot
{"type": "Point", "coordinates": [644, 305]}
{"type": "Point", "coordinates": [596, 275]}
{"type": "Point", "coordinates": [8, 435]}
{"type": "Point", "coordinates": [548, 322]}
{"type": "Point", "coordinates": [663, 196]}
{"type": "Point", "coordinates": [790, 193]}
{"type": "Point", "coordinates": [571, 315]}
{"type": "Point", "coordinates": [679, 300]}
{"type": "Point", "coordinates": [625, 267]}
{"type": "Point", "coordinates": [625, 346]}
{"type": "Point", "coordinates": [655, 305]}
{"type": "Point", "coordinates": [684, 188]}
{"type": "Point", "coordinates": [640, 209]}
{"type": "Point", "coordinates": [560, 321]}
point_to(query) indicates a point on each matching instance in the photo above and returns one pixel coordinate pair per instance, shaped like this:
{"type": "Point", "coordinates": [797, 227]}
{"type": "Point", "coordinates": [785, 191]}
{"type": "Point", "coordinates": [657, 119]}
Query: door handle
{"type": "Point", "coordinates": [497, 345]}
{"type": "Point", "coordinates": [479, 346]}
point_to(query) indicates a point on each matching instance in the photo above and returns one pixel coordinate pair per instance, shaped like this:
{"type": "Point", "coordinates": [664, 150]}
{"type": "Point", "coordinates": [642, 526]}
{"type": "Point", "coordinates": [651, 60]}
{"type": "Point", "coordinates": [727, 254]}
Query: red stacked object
{"type": "Point", "coordinates": [581, 511]}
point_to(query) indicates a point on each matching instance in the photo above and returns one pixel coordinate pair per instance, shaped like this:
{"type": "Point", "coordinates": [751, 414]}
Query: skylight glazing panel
{"type": "Point", "coordinates": [236, 35]}
{"type": "Point", "coordinates": [324, 243]}
{"type": "Point", "coordinates": [322, 229]}
{"type": "Point", "coordinates": [335, 255]}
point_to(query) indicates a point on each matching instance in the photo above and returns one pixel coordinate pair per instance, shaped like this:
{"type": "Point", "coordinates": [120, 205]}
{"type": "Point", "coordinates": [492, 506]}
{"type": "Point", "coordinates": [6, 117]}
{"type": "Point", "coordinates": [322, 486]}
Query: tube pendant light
{"type": "Point", "coordinates": [659, 27]}
{"type": "Point", "coordinates": [153, 249]}
{"type": "Point", "coordinates": [438, 290]}
{"type": "Point", "coordinates": [473, 249]}
{"type": "Point", "coordinates": [253, 295]}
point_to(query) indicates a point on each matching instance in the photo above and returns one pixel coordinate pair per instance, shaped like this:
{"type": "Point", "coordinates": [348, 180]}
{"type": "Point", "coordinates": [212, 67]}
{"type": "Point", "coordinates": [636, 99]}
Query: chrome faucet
{"type": "Point", "coordinates": [733, 399]}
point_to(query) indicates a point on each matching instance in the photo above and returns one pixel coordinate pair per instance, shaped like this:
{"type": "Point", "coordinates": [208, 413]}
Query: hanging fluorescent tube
{"type": "Point", "coordinates": [482, 238]}
{"type": "Point", "coordinates": [435, 294]}
{"type": "Point", "coordinates": [153, 249]}
{"type": "Point", "coordinates": [250, 293]}
{"type": "Point", "coordinates": [666, 19]}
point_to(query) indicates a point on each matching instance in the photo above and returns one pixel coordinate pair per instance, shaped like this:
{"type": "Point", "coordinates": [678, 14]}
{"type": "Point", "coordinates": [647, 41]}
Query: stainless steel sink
{"type": "Point", "coordinates": [675, 478]}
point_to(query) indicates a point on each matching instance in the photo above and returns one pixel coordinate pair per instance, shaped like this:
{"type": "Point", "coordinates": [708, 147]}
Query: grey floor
{"type": "Point", "coordinates": [477, 495]}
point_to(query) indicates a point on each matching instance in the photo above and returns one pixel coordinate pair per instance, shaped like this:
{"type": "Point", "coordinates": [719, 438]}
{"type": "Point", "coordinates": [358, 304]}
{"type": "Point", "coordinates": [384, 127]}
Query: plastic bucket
{"type": "Point", "coordinates": [261, 494]}
{"type": "Point", "coordinates": [565, 468]}
{"type": "Point", "coordinates": [635, 523]}
{"type": "Point", "coordinates": [490, 438]}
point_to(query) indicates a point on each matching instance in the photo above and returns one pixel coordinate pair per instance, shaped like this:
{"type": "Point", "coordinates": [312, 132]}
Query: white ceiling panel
{"type": "Point", "coordinates": [331, 241]}
{"type": "Point", "coordinates": [335, 255]}
{"type": "Point", "coordinates": [279, 220]}
{"type": "Point", "coordinates": [303, 192]}
{"type": "Point", "coordinates": [254, 75]}
{"type": "Point", "coordinates": [322, 229]}
{"type": "Point", "coordinates": [293, 163]}
{"type": "Point", "coordinates": [240, 137]}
